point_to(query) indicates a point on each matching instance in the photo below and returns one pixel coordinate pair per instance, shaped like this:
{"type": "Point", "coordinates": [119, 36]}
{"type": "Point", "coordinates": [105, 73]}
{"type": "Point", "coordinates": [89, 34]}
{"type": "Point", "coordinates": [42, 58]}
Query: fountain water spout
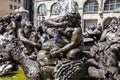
{"type": "Point", "coordinates": [70, 6]}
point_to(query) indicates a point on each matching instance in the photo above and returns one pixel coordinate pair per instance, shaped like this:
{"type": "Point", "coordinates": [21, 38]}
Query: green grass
{"type": "Point", "coordinates": [19, 75]}
{"type": "Point", "coordinates": [15, 75]}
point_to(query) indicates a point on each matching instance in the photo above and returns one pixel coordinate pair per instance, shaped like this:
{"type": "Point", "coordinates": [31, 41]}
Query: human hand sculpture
{"type": "Point", "coordinates": [55, 52]}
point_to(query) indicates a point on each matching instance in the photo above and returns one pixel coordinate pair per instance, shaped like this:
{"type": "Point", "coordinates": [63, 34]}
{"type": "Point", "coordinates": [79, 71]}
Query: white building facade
{"type": "Point", "coordinates": [91, 11]}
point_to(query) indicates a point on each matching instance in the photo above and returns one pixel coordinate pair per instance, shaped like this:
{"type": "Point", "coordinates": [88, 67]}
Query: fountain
{"type": "Point", "coordinates": [63, 40]}
{"type": "Point", "coordinates": [70, 6]}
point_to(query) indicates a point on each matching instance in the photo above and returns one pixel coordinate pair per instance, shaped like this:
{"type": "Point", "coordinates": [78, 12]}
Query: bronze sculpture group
{"type": "Point", "coordinates": [57, 51]}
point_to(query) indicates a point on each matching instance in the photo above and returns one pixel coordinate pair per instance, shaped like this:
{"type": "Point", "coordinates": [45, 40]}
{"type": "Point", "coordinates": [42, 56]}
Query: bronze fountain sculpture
{"type": "Point", "coordinates": [57, 52]}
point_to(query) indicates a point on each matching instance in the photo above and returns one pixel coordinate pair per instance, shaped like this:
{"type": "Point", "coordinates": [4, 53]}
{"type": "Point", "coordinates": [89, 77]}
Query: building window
{"type": "Point", "coordinates": [19, 1]}
{"type": "Point", "coordinates": [112, 5]}
{"type": "Point", "coordinates": [15, 0]}
{"type": "Point", "coordinates": [56, 9]}
{"type": "Point", "coordinates": [90, 6]}
{"type": "Point", "coordinates": [11, 7]}
{"type": "Point", "coordinates": [42, 9]}
{"type": "Point", "coordinates": [15, 7]}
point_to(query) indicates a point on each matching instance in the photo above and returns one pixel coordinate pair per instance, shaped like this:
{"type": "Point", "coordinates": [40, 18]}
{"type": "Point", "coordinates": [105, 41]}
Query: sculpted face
{"type": "Point", "coordinates": [72, 19]}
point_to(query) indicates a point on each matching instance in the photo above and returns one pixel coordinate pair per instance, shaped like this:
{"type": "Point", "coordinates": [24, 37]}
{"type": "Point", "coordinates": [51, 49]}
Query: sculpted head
{"type": "Point", "coordinates": [18, 17]}
{"type": "Point", "coordinates": [72, 18]}
{"type": "Point", "coordinates": [27, 27]}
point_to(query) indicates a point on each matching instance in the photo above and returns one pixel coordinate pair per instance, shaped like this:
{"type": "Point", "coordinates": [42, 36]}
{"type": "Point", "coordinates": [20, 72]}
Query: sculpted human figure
{"type": "Point", "coordinates": [75, 45]}
{"type": "Point", "coordinates": [6, 36]}
{"type": "Point", "coordinates": [105, 60]}
{"type": "Point", "coordinates": [30, 67]}
{"type": "Point", "coordinates": [6, 22]}
{"type": "Point", "coordinates": [65, 29]}
{"type": "Point", "coordinates": [9, 33]}
{"type": "Point", "coordinates": [28, 40]}
{"type": "Point", "coordinates": [109, 33]}
{"type": "Point", "coordinates": [106, 55]}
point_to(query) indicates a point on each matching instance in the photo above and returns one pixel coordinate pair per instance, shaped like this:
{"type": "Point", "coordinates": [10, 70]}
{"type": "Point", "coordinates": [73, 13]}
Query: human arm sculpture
{"type": "Point", "coordinates": [75, 40]}
{"type": "Point", "coordinates": [25, 40]}
{"type": "Point", "coordinates": [69, 20]}
{"type": "Point", "coordinates": [103, 36]}
{"type": "Point", "coordinates": [52, 24]}
{"type": "Point", "coordinates": [60, 22]}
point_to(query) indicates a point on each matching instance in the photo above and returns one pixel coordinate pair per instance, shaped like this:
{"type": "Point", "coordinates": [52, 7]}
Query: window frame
{"type": "Point", "coordinates": [108, 5]}
{"type": "Point", "coordinates": [91, 4]}
{"type": "Point", "coordinates": [42, 8]}
{"type": "Point", "coordinates": [11, 7]}
{"type": "Point", "coordinates": [54, 7]}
